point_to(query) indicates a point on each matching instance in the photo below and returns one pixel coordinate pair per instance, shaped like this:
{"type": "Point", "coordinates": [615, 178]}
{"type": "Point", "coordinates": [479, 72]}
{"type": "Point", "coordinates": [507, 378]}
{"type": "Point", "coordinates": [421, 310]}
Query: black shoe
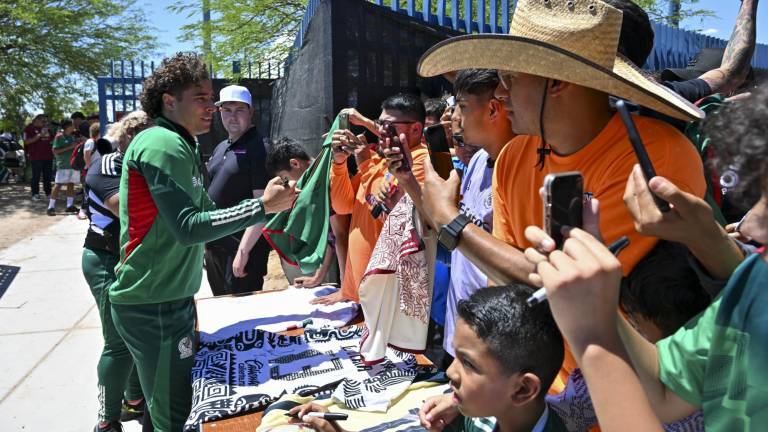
{"type": "Point", "coordinates": [72, 209]}
{"type": "Point", "coordinates": [114, 426]}
{"type": "Point", "coordinates": [51, 211]}
{"type": "Point", "coordinates": [131, 412]}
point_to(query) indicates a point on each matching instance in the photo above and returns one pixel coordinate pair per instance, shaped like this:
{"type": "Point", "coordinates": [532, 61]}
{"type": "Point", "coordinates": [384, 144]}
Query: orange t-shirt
{"type": "Point", "coordinates": [605, 163]}
{"type": "Point", "coordinates": [352, 195]}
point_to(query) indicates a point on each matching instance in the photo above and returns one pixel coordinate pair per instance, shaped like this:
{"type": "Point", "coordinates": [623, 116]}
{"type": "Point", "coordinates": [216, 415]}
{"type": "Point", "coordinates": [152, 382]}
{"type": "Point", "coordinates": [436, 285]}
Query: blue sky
{"type": "Point", "coordinates": [726, 10]}
{"type": "Point", "coordinates": [721, 27]}
{"type": "Point", "coordinates": [169, 26]}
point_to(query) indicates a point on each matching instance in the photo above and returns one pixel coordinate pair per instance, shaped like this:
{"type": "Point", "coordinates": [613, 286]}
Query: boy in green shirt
{"type": "Point", "coordinates": [63, 144]}
{"type": "Point", "coordinates": [717, 361]}
{"type": "Point", "coordinates": [166, 217]}
{"type": "Point", "coordinates": [507, 355]}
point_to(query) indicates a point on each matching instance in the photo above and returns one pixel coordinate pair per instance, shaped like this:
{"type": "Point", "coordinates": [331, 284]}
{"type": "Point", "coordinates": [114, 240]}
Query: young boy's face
{"type": "Point", "coordinates": [481, 388]}
{"type": "Point", "coordinates": [297, 169]}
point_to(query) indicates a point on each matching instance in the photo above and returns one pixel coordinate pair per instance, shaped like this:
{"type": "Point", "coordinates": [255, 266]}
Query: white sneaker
{"type": "Point", "coordinates": [36, 197]}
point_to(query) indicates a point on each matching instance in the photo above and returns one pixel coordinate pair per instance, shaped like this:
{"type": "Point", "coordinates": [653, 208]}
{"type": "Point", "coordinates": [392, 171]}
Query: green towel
{"type": "Point", "coordinates": [300, 234]}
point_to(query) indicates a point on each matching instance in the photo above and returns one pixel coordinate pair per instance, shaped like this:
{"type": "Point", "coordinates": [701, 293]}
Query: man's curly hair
{"type": "Point", "coordinates": [739, 136]}
{"type": "Point", "coordinates": [174, 75]}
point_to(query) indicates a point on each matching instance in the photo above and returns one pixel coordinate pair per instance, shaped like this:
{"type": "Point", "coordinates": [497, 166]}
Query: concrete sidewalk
{"type": "Point", "coordinates": [50, 335]}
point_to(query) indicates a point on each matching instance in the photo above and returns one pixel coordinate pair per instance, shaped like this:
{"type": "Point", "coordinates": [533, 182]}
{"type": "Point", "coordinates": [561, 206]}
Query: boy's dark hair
{"type": "Point", "coordinates": [174, 75]}
{"type": "Point", "coordinates": [739, 137]}
{"type": "Point", "coordinates": [478, 82]}
{"type": "Point", "coordinates": [664, 289]}
{"type": "Point", "coordinates": [77, 115]}
{"type": "Point", "coordinates": [435, 107]}
{"type": "Point", "coordinates": [520, 337]}
{"type": "Point", "coordinates": [65, 124]}
{"type": "Point", "coordinates": [636, 39]}
{"type": "Point", "coordinates": [407, 104]}
{"type": "Point", "coordinates": [280, 154]}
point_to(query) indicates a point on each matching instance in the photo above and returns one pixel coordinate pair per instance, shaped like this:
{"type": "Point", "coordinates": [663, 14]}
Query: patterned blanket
{"type": "Point", "coordinates": [250, 370]}
{"type": "Point", "coordinates": [222, 317]}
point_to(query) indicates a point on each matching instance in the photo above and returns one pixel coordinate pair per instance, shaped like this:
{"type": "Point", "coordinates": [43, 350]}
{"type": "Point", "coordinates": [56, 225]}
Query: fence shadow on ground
{"type": "Point", "coordinates": [15, 197]}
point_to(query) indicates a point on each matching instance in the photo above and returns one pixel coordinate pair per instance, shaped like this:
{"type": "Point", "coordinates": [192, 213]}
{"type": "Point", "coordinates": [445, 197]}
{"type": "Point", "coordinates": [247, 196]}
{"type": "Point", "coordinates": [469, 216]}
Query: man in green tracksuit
{"type": "Point", "coordinates": [166, 218]}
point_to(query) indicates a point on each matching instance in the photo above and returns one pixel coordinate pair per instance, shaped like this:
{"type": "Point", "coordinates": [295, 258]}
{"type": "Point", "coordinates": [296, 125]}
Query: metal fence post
{"type": "Point", "coordinates": [505, 16]}
{"type": "Point", "coordinates": [455, 14]}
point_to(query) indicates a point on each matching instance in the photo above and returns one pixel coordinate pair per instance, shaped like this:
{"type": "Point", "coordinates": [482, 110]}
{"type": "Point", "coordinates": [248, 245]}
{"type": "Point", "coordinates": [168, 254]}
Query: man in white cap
{"type": "Point", "coordinates": [557, 68]}
{"type": "Point", "coordinates": [237, 263]}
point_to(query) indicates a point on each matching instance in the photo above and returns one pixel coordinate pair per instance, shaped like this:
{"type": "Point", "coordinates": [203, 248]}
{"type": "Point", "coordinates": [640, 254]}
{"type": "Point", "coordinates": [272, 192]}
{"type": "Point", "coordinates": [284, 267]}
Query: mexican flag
{"type": "Point", "coordinates": [300, 234]}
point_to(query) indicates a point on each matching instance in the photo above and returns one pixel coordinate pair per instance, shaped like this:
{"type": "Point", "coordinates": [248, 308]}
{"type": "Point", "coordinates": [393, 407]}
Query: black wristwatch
{"type": "Point", "coordinates": [449, 234]}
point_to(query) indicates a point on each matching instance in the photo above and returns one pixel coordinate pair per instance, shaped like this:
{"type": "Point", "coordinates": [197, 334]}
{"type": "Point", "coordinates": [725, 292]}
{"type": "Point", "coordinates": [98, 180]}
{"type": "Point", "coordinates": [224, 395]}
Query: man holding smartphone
{"type": "Point", "coordinates": [481, 120]}
{"type": "Point", "coordinates": [483, 123]}
{"type": "Point", "coordinates": [357, 195]}
{"type": "Point", "coordinates": [555, 81]}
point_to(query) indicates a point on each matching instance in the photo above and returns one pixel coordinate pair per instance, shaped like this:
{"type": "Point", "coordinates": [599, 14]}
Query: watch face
{"type": "Point", "coordinates": [447, 239]}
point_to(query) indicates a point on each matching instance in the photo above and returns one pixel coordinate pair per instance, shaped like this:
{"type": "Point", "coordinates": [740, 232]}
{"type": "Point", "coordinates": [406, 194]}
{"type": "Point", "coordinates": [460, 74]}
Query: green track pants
{"type": "Point", "coordinates": [161, 338]}
{"type": "Point", "coordinates": [116, 374]}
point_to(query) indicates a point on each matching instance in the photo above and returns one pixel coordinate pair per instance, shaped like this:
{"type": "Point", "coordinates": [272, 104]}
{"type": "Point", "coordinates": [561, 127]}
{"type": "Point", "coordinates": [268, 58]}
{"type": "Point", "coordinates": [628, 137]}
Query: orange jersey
{"type": "Point", "coordinates": [352, 196]}
{"type": "Point", "coordinates": [605, 163]}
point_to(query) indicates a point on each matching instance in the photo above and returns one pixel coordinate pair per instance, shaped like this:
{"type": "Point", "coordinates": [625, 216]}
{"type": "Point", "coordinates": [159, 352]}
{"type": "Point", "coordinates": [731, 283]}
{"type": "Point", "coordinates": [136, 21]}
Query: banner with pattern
{"type": "Point", "coordinates": [251, 369]}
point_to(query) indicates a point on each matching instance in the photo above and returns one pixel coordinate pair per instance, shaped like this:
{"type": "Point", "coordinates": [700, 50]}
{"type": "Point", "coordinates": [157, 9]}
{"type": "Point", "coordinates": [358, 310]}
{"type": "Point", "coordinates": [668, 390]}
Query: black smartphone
{"type": "Point", "coordinates": [563, 203]}
{"type": "Point", "coordinates": [639, 147]}
{"type": "Point", "coordinates": [394, 140]}
{"type": "Point", "coordinates": [436, 139]}
{"type": "Point", "coordinates": [344, 120]}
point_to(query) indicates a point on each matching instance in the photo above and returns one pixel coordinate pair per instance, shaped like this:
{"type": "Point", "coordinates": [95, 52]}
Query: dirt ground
{"type": "Point", "coordinates": [22, 218]}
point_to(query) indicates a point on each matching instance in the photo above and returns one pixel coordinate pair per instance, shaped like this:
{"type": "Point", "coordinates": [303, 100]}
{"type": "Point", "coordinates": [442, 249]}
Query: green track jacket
{"type": "Point", "coordinates": [166, 218]}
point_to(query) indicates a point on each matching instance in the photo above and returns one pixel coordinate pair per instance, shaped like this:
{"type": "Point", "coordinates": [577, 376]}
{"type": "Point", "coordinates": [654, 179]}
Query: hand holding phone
{"type": "Point", "coordinates": [390, 139]}
{"type": "Point", "coordinates": [642, 154]}
{"type": "Point", "coordinates": [563, 204]}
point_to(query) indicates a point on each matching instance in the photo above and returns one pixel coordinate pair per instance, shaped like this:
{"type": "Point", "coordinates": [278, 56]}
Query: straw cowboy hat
{"type": "Point", "coordinates": [574, 41]}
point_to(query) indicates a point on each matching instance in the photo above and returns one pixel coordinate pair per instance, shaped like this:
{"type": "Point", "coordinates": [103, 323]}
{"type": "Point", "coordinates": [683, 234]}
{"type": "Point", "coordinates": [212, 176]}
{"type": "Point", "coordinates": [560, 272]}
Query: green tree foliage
{"type": "Point", "coordinates": [245, 30]}
{"type": "Point", "coordinates": [51, 51]}
{"type": "Point", "coordinates": [659, 10]}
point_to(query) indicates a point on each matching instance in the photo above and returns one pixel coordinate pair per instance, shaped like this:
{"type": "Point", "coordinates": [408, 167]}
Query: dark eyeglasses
{"type": "Point", "coordinates": [386, 123]}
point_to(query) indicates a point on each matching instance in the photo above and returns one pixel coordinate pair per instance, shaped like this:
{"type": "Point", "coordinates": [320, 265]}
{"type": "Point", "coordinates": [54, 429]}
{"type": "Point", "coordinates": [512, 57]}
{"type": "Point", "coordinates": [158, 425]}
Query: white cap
{"type": "Point", "coordinates": [234, 93]}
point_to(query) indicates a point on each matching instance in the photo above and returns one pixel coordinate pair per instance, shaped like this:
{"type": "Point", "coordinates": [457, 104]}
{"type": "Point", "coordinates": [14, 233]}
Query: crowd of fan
{"type": "Point", "coordinates": [667, 334]}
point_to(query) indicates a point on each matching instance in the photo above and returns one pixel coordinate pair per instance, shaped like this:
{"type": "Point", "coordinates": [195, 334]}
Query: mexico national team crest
{"type": "Point", "coordinates": [185, 348]}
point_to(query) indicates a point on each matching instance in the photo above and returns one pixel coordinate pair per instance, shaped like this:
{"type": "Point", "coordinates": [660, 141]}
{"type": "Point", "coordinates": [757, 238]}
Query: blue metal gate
{"type": "Point", "coordinates": [673, 47]}
{"type": "Point", "coordinates": [119, 92]}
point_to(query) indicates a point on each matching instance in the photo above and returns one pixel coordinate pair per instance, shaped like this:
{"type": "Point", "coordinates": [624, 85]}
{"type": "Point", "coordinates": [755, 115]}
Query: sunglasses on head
{"type": "Point", "coordinates": [505, 78]}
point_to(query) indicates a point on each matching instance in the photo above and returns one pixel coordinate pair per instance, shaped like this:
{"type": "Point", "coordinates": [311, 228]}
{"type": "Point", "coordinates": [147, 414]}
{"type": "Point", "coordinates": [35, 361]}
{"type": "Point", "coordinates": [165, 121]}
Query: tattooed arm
{"type": "Point", "coordinates": [738, 54]}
